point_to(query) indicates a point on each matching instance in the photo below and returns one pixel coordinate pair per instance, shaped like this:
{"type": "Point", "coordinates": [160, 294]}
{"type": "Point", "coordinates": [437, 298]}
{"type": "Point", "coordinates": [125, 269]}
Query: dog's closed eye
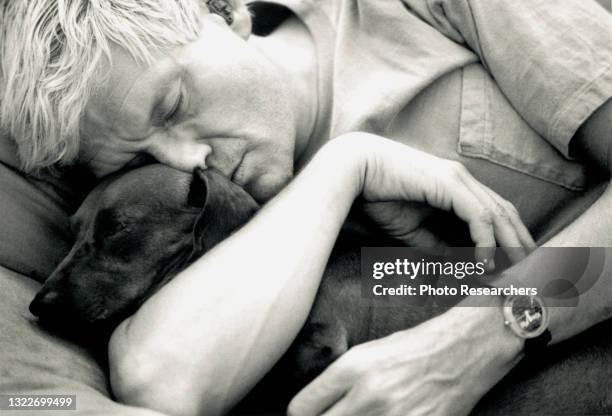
{"type": "Point", "coordinates": [109, 224]}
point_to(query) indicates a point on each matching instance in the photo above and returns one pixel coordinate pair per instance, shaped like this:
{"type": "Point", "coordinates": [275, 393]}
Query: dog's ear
{"type": "Point", "coordinates": [198, 190]}
{"type": "Point", "coordinates": [224, 207]}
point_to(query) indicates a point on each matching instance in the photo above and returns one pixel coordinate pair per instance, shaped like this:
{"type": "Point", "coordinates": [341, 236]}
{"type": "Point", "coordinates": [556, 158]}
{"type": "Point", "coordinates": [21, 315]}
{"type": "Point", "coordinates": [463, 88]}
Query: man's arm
{"type": "Point", "coordinates": [383, 376]}
{"type": "Point", "coordinates": [199, 344]}
{"type": "Point", "coordinates": [216, 328]}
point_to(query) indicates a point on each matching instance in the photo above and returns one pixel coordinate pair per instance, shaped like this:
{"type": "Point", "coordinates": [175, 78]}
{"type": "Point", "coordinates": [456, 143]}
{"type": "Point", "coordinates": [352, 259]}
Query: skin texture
{"type": "Point", "coordinates": [216, 102]}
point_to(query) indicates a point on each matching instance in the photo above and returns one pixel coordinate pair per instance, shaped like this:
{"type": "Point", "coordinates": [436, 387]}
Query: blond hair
{"type": "Point", "coordinates": [50, 54]}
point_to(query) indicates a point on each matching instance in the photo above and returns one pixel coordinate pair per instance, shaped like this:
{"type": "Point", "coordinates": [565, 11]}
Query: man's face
{"type": "Point", "coordinates": [216, 102]}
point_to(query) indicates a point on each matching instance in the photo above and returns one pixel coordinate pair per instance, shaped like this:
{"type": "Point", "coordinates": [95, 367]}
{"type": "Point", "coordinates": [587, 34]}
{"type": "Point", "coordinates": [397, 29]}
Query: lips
{"type": "Point", "coordinates": [238, 176]}
{"type": "Point", "coordinates": [224, 164]}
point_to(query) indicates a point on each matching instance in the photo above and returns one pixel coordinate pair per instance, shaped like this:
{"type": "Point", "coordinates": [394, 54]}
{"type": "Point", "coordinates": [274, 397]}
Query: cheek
{"type": "Point", "coordinates": [235, 92]}
{"type": "Point", "coordinates": [105, 161]}
{"type": "Point", "coordinates": [104, 154]}
{"type": "Point", "coordinates": [264, 176]}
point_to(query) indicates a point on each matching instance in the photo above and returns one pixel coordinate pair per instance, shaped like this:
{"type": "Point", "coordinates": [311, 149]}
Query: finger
{"type": "Point", "coordinates": [424, 239]}
{"type": "Point", "coordinates": [397, 217]}
{"type": "Point", "coordinates": [344, 407]}
{"type": "Point", "coordinates": [485, 253]}
{"type": "Point", "coordinates": [525, 237]}
{"type": "Point", "coordinates": [506, 234]}
{"type": "Point", "coordinates": [360, 402]}
{"type": "Point", "coordinates": [507, 226]}
{"type": "Point", "coordinates": [479, 218]}
{"type": "Point", "coordinates": [525, 242]}
{"type": "Point", "coordinates": [504, 229]}
{"type": "Point", "coordinates": [505, 210]}
{"type": "Point", "coordinates": [321, 394]}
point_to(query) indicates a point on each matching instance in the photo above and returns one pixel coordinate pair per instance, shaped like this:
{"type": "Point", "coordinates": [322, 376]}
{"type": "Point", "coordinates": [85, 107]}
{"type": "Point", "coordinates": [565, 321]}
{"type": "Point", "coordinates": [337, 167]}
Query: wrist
{"type": "Point", "coordinates": [344, 159]}
{"type": "Point", "coordinates": [481, 348]}
{"type": "Point", "coordinates": [561, 311]}
{"type": "Point", "coordinates": [486, 329]}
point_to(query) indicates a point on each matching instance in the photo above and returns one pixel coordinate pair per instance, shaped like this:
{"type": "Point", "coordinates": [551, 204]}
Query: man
{"type": "Point", "coordinates": [236, 103]}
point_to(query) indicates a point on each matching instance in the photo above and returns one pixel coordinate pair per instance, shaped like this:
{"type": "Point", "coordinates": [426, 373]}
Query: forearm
{"type": "Point", "coordinates": [593, 290]}
{"type": "Point", "coordinates": [206, 338]}
{"type": "Point", "coordinates": [568, 317]}
{"type": "Point", "coordinates": [480, 333]}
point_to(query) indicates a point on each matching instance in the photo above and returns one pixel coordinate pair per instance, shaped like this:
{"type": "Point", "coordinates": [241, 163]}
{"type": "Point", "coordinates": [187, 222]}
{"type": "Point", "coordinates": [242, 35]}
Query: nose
{"type": "Point", "coordinates": [181, 153]}
{"type": "Point", "coordinates": [45, 303]}
{"type": "Point", "coordinates": [55, 313]}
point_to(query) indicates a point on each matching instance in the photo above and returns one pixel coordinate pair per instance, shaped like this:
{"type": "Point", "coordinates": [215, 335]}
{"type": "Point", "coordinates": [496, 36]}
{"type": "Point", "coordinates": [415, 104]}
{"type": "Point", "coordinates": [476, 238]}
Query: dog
{"type": "Point", "coordinates": [137, 230]}
{"type": "Point", "coordinates": [133, 233]}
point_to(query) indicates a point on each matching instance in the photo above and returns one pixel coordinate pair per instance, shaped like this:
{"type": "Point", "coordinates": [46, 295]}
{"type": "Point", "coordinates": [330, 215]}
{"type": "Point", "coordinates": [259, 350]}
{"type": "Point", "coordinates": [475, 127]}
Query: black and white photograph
{"type": "Point", "coordinates": [305, 207]}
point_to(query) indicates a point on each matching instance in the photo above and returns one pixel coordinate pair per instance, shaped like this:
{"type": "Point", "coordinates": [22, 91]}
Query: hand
{"type": "Point", "coordinates": [403, 221]}
{"type": "Point", "coordinates": [441, 367]}
{"type": "Point", "coordinates": [398, 180]}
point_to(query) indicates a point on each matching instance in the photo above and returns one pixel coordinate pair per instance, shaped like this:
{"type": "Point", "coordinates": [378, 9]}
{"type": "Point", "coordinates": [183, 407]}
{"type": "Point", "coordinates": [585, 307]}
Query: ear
{"type": "Point", "coordinates": [224, 207]}
{"type": "Point", "coordinates": [234, 13]}
{"type": "Point", "coordinates": [242, 24]}
{"type": "Point", "coordinates": [198, 190]}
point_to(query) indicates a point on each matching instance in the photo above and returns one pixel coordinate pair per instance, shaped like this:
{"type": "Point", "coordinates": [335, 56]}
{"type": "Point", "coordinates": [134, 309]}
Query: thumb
{"type": "Point", "coordinates": [322, 393]}
{"type": "Point", "coordinates": [423, 238]}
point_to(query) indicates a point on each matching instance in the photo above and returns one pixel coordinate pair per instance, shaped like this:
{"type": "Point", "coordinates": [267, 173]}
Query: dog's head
{"type": "Point", "coordinates": [132, 234]}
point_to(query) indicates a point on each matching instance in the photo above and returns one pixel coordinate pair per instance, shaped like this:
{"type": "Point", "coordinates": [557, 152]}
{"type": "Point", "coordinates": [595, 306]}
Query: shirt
{"type": "Point", "coordinates": [500, 86]}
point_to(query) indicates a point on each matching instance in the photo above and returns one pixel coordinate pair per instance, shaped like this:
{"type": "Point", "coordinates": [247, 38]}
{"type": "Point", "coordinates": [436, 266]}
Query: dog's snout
{"type": "Point", "coordinates": [44, 302]}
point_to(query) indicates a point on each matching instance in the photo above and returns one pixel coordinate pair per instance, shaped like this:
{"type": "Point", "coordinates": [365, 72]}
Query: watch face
{"type": "Point", "coordinates": [526, 315]}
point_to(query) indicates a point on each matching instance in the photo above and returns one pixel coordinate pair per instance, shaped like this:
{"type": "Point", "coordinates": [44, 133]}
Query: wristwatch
{"type": "Point", "coordinates": [527, 317]}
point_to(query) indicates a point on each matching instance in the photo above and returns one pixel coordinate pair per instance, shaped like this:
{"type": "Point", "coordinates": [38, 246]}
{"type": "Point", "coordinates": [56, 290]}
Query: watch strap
{"type": "Point", "coordinates": [535, 346]}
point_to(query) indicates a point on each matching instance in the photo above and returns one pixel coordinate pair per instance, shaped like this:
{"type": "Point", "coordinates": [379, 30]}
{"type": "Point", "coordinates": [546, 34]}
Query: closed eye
{"type": "Point", "coordinates": [108, 224]}
{"type": "Point", "coordinates": [176, 108]}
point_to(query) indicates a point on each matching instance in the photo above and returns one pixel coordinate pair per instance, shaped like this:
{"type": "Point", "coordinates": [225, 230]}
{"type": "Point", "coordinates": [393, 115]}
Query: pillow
{"type": "Point", "coordinates": [33, 361]}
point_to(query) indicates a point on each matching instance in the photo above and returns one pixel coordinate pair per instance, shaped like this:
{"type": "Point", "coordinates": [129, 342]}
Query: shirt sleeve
{"type": "Point", "coordinates": [551, 59]}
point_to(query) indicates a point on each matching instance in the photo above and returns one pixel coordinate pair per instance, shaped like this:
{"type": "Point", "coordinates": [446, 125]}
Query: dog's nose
{"type": "Point", "coordinates": [44, 302]}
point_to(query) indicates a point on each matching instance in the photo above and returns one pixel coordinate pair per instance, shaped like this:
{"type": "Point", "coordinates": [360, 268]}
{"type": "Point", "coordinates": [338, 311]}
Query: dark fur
{"type": "Point", "coordinates": [135, 231]}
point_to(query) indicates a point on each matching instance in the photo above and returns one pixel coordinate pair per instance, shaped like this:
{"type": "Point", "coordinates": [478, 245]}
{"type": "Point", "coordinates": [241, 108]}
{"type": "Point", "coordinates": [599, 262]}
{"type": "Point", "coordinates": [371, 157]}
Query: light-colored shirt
{"type": "Point", "coordinates": [501, 86]}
